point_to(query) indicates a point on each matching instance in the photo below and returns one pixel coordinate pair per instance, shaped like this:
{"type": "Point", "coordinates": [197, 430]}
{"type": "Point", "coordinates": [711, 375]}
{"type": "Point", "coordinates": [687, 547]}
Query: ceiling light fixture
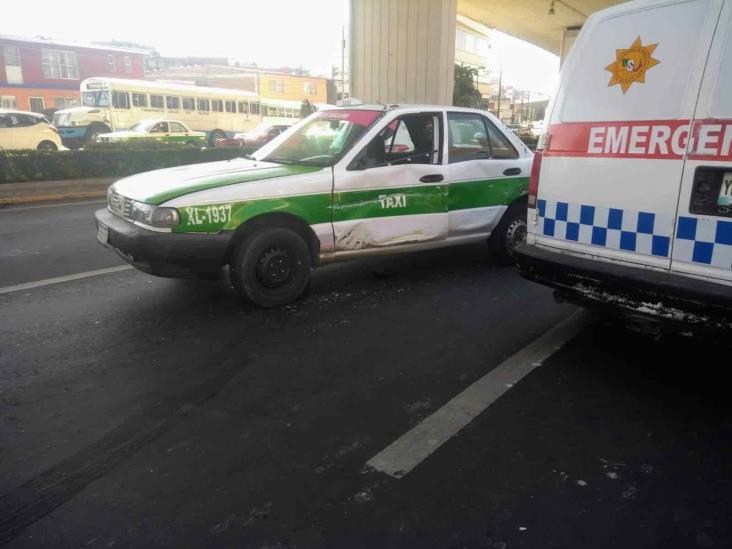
{"type": "Point", "coordinates": [551, 8]}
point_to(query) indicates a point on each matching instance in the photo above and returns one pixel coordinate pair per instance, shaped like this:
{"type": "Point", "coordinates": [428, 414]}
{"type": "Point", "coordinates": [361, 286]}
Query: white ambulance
{"type": "Point", "coordinates": [630, 198]}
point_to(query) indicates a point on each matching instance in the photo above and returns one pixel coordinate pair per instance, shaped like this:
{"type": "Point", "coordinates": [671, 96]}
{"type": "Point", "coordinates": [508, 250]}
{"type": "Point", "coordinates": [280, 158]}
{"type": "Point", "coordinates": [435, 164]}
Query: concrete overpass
{"type": "Point", "coordinates": [402, 51]}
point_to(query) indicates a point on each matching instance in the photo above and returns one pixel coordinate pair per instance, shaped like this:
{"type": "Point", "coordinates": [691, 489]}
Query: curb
{"type": "Point", "coordinates": [50, 197]}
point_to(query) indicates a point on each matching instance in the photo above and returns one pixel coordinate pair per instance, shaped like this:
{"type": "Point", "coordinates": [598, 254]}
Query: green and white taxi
{"type": "Point", "coordinates": [343, 183]}
{"type": "Point", "coordinates": [157, 129]}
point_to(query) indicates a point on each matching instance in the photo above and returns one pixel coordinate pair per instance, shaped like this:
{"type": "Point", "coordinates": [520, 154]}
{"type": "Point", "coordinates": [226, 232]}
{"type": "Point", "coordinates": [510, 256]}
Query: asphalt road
{"type": "Point", "coordinates": [144, 412]}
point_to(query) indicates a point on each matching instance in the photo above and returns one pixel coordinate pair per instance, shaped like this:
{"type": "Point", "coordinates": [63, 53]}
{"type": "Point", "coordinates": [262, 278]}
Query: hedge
{"type": "Point", "coordinates": [21, 166]}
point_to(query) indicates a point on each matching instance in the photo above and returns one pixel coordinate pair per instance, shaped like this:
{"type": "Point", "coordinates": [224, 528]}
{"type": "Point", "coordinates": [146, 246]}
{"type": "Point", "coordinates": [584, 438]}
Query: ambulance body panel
{"type": "Point", "coordinates": [642, 107]}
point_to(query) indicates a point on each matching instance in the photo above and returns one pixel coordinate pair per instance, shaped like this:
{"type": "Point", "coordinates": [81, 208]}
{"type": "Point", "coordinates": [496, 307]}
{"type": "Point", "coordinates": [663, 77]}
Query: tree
{"type": "Point", "coordinates": [464, 93]}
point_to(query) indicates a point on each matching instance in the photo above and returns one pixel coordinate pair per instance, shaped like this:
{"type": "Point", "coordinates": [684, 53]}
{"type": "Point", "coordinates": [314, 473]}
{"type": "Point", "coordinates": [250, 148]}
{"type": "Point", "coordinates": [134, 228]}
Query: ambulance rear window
{"type": "Point", "coordinates": [608, 81]}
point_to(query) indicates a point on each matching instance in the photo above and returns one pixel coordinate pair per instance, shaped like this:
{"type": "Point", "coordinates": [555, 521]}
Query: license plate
{"type": "Point", "coordinates": [725, 192]}
{"type": "Point", "coordinates": [102, 233]}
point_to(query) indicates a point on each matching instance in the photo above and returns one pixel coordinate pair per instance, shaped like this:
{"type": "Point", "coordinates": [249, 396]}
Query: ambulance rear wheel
{"type": "Point", "coordinates": [508, 234]}
{"type": "Point", "coordinates": [271, 267]}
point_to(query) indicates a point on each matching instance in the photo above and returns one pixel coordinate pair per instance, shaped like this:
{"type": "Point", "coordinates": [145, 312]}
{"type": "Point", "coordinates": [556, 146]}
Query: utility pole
{"type": "Point", "coordinates": [500, 79]}
{"type": "Point", "coordinates": [343, 62]}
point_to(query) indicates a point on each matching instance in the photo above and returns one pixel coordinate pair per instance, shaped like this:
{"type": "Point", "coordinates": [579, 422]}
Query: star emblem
{"type": "Point", "coordinates": [631, 64]}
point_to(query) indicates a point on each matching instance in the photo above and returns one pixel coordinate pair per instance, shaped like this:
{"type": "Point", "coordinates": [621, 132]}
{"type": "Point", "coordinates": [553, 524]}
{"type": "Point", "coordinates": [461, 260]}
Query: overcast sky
{"type": "Point", "coordinates": [272, 33]}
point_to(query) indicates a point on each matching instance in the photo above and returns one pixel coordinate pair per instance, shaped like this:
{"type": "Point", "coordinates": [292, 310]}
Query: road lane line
{"type": "Point", "coordinates": [59, 279]}
{"type": "Point", "coordinates": [21, 208]}
{"type": "Point", "coordinates": [408, 451]}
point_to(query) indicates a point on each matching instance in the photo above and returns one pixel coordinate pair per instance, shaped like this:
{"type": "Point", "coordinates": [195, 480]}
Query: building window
{"type": "Point", "coordinates": [230, 106]}
{"type": "Point", "coordinates": [36, 104]}
{"type": "Point", "coordinates": [128, 64]}
{"type": "Point", "coordinates": [65, 102]}
{"type": "Point", "coordinates": [172, 102]}
{"type": "Point", "coordinates": [243, 108]}
{"type": "Point", "coordinates": [203, 105]}
{"type": "Point", "coordinates": [157, 102]}
{"type": "Point", "coordinates": [139, 100]}
{"type": "Point", "coordinates": [311, 88]}
{"type": "Point", "coordinates": [189, 104]}
{"type": "Point", "coordinates": [11, 55]}
{"type": "Point", "coordinates": [111, 65]}
{"type": "Point", "coordinates": [60, 65]}
{"type": "Point", "coordinates": [276, 86]}
{"type": "Point", "coordinates": [217, 105]}
{"type": "Point", "coordinates": [8, 102]}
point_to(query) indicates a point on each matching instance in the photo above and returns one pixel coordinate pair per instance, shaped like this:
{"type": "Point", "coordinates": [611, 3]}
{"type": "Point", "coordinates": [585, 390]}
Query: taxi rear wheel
{"type": "Point", "coordinates": [271, 267]}
{"type": "Point", "coordinates": [508, 234]}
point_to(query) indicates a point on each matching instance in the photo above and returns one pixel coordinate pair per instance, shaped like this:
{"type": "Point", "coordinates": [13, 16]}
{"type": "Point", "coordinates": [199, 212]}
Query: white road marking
{"type": "Point", "coordinates": [66, 278]}
{"type": "Point", "coordinates": [408, 451]}
{"type": "Point", "coordinates": [21, 208]}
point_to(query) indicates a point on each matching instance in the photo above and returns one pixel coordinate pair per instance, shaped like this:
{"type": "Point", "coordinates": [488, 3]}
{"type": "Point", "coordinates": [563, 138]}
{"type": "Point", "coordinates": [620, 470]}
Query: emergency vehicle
{"type": "Point", "coordinates": [341, 184]}
{"type": "Point", "coordinates": [630, 198]}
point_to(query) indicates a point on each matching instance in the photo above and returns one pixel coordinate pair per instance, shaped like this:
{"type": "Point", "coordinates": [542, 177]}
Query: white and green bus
{"type": "Point", "coordinates": [114, 104]}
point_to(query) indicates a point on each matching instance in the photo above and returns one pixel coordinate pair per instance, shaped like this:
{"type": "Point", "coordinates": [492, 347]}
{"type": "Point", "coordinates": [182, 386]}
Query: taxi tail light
{"type": "Point", "coordinates": [534, 179]}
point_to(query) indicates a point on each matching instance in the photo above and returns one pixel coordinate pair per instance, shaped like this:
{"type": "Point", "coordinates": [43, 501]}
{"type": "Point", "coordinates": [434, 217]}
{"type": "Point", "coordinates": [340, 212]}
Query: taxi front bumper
{"type": "Point", "coordinates": [659, 295]}
{"type": "Point", "coordinates": [173, 255]}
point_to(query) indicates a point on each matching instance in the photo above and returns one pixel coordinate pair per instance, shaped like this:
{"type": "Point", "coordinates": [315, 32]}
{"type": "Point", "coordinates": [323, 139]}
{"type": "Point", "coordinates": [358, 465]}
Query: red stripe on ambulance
{"type": "Point", "coordinates": [660, 139]}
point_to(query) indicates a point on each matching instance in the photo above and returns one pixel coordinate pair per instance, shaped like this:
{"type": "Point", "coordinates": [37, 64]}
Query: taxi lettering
{"type": "Point", "coordinates": [393, 200]}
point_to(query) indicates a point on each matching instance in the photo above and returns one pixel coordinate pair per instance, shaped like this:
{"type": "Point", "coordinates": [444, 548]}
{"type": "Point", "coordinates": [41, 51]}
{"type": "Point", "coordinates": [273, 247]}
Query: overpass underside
{"type": "Point", "coordinates": [403, 51]}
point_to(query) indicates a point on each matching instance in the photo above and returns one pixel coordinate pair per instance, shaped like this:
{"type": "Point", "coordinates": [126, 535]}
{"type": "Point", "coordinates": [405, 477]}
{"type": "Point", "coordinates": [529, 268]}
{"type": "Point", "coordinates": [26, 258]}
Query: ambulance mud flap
{"type": "Point", "coordinates": [634, 291]}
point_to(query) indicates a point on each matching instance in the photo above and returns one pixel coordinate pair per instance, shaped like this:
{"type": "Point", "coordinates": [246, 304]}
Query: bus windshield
{"type": "Point", "coordinates": [324, 139]}
{"type": "Point", "coordinates": [95, 98]}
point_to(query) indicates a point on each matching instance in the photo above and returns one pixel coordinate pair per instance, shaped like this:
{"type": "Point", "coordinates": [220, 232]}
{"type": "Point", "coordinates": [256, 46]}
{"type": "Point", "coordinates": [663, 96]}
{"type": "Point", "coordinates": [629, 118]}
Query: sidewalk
{"type": "Point", "coordinates": [42, 191]}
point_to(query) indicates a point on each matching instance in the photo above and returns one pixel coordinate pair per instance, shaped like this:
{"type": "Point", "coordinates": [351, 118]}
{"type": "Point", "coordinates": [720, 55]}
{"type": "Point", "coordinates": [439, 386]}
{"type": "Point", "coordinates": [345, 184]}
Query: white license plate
{"type": "Point", "coordinates": [102, 233]}
{"type": "Point", "coordinates": [725, 193]}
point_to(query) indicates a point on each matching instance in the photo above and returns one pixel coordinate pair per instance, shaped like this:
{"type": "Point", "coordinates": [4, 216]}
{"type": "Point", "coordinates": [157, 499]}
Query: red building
{"type": "Point", "coordinates": [38, 74]}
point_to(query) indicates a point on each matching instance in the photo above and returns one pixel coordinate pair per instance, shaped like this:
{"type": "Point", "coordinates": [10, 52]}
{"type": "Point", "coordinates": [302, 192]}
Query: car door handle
{"type": "Point", "coordinates": [432, 178]}
{"type": "Point", "coordinates": [512, 171]}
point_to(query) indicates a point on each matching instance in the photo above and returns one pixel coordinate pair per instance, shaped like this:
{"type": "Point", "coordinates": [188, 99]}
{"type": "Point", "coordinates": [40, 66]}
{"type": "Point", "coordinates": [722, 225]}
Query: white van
{"type": "Point", "coordinates": [630, 200]}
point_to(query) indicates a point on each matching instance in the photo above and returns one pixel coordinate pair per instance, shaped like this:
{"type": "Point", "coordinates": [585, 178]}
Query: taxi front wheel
{"type": "Point", "coordinates": [508, 234]}
{"type": "Point", "coordinates": [271, 267]}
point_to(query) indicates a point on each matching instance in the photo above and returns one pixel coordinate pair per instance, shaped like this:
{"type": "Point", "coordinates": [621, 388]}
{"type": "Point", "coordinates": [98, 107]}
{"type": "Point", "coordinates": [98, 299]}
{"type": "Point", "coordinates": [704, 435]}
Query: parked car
{"type": "Point", "coordinates": [157, 129]}
{"type": "Point", "coordinates": [630, 202]}
{"type": "Point", "coordinates": [27, 130]}
{"type": "Point", "coordinates": [346, 183]}
{"type": "Point", "coordinates": [262, 134]}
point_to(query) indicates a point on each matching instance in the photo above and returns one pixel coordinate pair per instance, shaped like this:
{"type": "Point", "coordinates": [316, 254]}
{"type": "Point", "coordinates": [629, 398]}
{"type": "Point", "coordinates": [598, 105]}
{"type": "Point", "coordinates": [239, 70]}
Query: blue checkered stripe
{"type": "Point", "coordinates": [704, 240]}
{"type": "Point", "coordinates": [646, 233]}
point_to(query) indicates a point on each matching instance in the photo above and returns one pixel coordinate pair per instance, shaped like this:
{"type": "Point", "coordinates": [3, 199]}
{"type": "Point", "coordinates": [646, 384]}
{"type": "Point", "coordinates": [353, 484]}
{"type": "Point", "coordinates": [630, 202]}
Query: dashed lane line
{"type": "Point", "coordinates": [408, 451]}
{"type": "Point", "coordinates": [60, 279]}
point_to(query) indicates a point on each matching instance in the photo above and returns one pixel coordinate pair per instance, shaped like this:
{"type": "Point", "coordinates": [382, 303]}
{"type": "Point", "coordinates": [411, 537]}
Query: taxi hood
{"type": "Point", "coordinates": [160, 186]}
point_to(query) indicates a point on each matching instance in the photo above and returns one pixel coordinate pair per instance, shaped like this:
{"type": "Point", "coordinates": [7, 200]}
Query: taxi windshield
{"type": "Point", "coordinates": [323, 139]}
{"type": "Point", "coordinates": [143, 126]}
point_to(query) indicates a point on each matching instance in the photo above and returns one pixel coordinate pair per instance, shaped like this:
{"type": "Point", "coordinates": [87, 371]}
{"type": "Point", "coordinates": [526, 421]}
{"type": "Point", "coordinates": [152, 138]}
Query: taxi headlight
{"type": "Point", "coordinates": [152, 215]}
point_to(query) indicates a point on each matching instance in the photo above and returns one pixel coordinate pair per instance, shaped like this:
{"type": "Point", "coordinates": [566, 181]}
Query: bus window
{"type": "Point", "coordinates": [281, 113]}
{"type": "Point", "coordinates": [172, 102]}
{"type": "Point", "coordinates": [243, 109]}
{"type": "Point", "coordinates": [139, 100]}
{"type": "Point", "coordinates": [156, 101]}
{"type": "Point", "coordinates": [189, 104]}
{"type": "Point", "coordinates": [230, 106]}
{"type": "Point", "coordinates": [254, 108]}
{"type": "Point", "coordinates": [120, 100]}
{"type": "Point", "coordinates": [217, 105]}
{"type": "Point", "coordinates": [203, 105]}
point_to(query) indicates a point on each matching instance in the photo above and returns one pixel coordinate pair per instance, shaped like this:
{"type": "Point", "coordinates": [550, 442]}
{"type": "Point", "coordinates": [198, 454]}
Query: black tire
{"type": "Point", "coordinates": [271, 267]}
{"type": "Point", "coordinates": [509, 233]}
{"type": "Point", "coordinates": [47, 146]}
{"type": "Point", "coordinates": [216, 134]}
{"type": "Point", "coordinates": [93, 131]}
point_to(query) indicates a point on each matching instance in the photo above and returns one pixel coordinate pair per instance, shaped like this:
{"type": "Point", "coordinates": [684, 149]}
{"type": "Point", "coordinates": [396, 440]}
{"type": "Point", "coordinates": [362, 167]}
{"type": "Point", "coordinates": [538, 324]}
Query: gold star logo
{"type": "Point", "coordinates": [630, 65]}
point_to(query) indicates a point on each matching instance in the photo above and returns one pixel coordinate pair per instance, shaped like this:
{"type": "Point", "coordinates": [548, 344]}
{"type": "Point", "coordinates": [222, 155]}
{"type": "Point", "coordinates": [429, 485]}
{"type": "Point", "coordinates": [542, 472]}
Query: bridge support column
{"type": "Point", "coordinates": [403, 52]}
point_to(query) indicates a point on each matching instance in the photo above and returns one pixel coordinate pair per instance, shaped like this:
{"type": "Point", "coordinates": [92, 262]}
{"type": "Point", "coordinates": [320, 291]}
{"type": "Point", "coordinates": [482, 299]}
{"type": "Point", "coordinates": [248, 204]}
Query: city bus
{"type": "Point", "coordinates": [113, 104]}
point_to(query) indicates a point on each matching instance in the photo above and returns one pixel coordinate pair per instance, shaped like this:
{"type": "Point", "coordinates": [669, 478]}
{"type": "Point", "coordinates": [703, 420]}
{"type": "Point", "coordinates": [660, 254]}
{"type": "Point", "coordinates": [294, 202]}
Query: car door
{"type": "Point", "coordinates": [703, 239]}
{"type": "Point", "coordinates": [484, 172]}
{"type": "Point", "coordinates": [7, 133]}
{"type": "Point", "coordinates": [25, 131]}
{"type": "Point", "coordinates": [392, 192]}
{"type": "Point", "coordinates": [177, 131]}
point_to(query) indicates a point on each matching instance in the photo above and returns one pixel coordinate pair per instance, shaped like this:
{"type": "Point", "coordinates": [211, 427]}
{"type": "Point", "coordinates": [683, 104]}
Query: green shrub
{"type": "Point", "coordinates": [20, 166]}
